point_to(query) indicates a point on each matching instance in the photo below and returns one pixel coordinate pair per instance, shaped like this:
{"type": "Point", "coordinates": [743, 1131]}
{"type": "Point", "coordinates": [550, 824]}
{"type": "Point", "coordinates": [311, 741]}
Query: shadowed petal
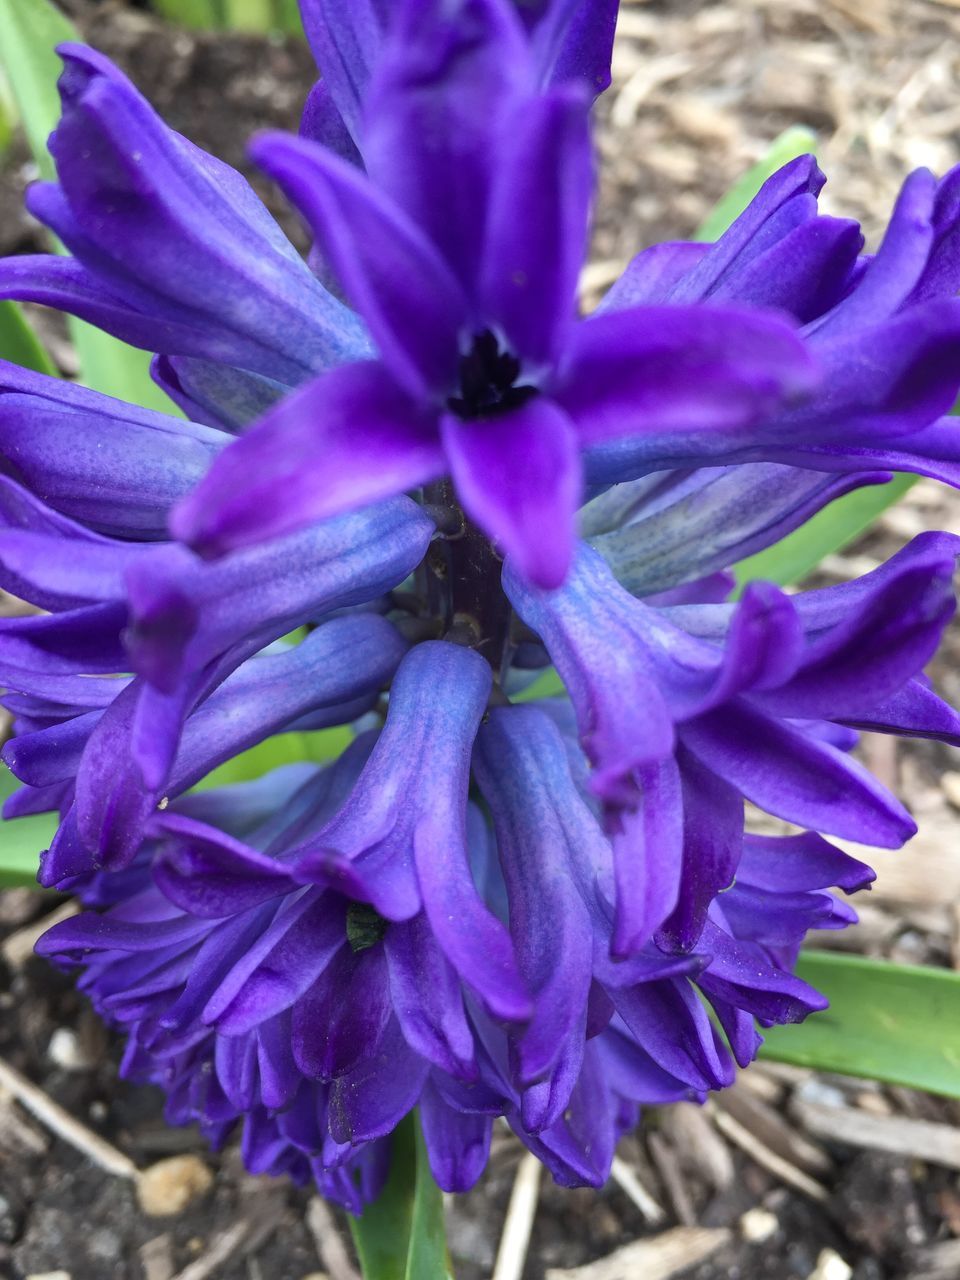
{"type": "Point", "coordinates": [518, 475]}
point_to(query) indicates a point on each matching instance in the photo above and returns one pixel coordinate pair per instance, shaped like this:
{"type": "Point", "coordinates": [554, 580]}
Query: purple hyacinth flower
{"type": "Point", "coordinates": [465, 272]}
{"type": "Point", "coordinates": [685, 709]}
{"type": "Point", "coordinates": [886, 330]}
{"type": "Point", "coordinates": [173, 251]}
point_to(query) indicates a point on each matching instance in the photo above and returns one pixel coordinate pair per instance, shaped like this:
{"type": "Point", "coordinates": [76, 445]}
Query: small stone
{"type": "Point", "coordinates": [826, 1095]}
{"type": "Point", "coordinates": [167, 1187]}
{"type": "Point", "coordinates": [830, 1266]}
{"type": "Point", "coordinates": [758, 1225]}
{"type": "Point", "coordinates": [950, 786]}
{"type": "Point", "coordinates": [317, 1275]}
{"type": "Point", "coordinates": [66, 1052]}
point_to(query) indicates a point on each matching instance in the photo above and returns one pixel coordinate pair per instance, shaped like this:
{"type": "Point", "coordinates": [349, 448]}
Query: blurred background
{"type": "Point", "coordinates": [788, 1174]}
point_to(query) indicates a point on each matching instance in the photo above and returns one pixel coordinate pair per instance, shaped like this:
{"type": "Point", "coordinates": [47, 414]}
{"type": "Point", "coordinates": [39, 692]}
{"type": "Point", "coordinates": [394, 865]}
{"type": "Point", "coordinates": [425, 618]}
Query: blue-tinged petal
{"type": "Point", "coordinates": [111, 465]}
{"type": "Point", "coordinates": [391, 272]}
{"type": "Point", "coordinates": [788, 774]}
{"type": "Point", "coordinates": [186, 612]}
{"type": "Point", "coordinates": [714, 517]}
{"type": "Point", "coordinates": [345, 41]}
{"type": "Point", "coordinates": [348, 438]}
{"type": "Point", "coordinates": [458, 1143]}
{"type": "Point", "coordinates": [136, 206]}
{"type": "Point", "coordinates": [518, 476]}
{"type": "Point", "coordinates": [597, 657]}
{"type": "Point", "coordinates": [88, 640]}
{"type": "Point", "coordinates": [335, 673]}
{"type": "Point", "coordinates": [427, 998]}
{"type": "Point", "coordinates": [215, 394]}
{"type": "Point", "coordinates": [400, 840]}
{"type": "Point", "coordinates": [551, 851]}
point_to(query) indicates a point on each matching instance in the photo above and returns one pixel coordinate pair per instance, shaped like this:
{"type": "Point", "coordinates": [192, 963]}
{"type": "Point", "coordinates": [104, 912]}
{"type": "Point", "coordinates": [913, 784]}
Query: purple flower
{"type": "Point", "coordinates": [685, 709]}
{"type": "Point", "coordinates": [461, 247]}
{"type": "Point", "coordinates": [481, 908]}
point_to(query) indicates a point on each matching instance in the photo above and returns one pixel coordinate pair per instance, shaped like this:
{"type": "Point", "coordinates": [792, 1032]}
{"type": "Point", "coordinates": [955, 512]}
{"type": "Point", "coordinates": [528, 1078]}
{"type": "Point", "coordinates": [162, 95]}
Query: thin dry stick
{"type": "Point", "coordinates": [223, 1248]}
{"type": "Point", "coordinates": [326, 1237]}
{"type": "Point", "coordinates": [521, 1212]}
{"type": "Point", "coordinates": [18, 947]}
{"type": "Point", "coordinates": [628, 1182]}
{"type": "Point", "coordinates": [768, 1159]}
{"type": "Point", "coordinates": [64, 1125]}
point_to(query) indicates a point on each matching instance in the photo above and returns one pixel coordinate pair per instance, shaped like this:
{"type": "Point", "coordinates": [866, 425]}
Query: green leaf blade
{"type": "Point", "coordinates": [899, 1024]}
{"type": "Point", "coordinates": [793, 142]}
{"type": "Point", "coordinates": [401, 1235]}
{"type": "Point", "coordinates": [22, 840]}
{"type": "Point", "coordinates": [19, 343]}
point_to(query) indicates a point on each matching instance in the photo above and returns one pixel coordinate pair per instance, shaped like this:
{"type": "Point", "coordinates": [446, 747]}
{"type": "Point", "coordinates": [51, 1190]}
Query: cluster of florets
{"type": "Point", "coordinates": [409, 478]}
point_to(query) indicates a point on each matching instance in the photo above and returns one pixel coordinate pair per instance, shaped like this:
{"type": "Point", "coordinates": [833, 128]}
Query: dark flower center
{"type": "Point", "coordinates": [488, 381]}
{"type": "Point", "coordinates": [365, 927]}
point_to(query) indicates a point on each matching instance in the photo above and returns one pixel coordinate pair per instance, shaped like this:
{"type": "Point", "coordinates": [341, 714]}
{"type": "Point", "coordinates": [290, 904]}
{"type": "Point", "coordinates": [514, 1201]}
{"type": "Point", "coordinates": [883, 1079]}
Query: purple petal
{"type": "Point", "coordinates": [427, 999]}
{"type": "Point", "coordinates": [518, 476]}
{"type": "Point", "coordinates": [648, 854]}
{"type": "Point", "coordinates": [393, 275]}
{"type": "Point", "coordinates": [436, 116]}
{"type": "Point", "coordinates": [101, 461]}
{"type": "Point", "coordinates": [548, 842]}
{"type": "Point", "coordinates": [899, 262]}
{"type": "Point", "coordinates": [457, 1144]}
{"type": "Point", "coordinates": [372, 1100]}
{"type": "Point", "coordinates": [712, 842]}
{"type": "Point", "coordinates": [573, 41]}
{"type": "Point", "coordinates": [791, 776]}
{"type": "Point", "coordinates": [665, 370]}
{"type": "Point", "coordinates": [347, 439]}
{"type": "Point", "coordinates": [537, 229]}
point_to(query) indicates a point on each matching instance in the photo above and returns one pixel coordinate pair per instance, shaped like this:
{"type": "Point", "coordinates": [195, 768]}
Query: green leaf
{"type": "Point", "coordinates": [192, 13]}
{"type": "Point", "coordinates": [793, 142]}
{"type": "Point", "coordinates": [829, 530]}
{"type": "Point", "coordinates": [401, 1235]}
{"type": "Point", "coordinates": [283, 748]}
{"type": "Point", "coordinates": [19, 343]}
{"type": "Point", "coordinates": [890, 1022]}
{"type": "Point", "coordinates": [21, 839]}
{"type": "Point", "coordinates": [30, 30]}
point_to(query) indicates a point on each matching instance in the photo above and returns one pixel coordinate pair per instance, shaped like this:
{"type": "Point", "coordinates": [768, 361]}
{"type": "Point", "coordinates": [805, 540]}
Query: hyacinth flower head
{"type": "Point", "coordinates": [409, 480]}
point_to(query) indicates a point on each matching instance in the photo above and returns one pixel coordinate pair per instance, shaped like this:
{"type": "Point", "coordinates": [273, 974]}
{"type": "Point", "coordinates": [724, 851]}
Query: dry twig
{"type": "Point", "coordinates": [656, 1258]}
{"type": "Point", "coordinates": [326, 1237]}
{"type": "Point", "coordinates": [521, 1212]}
{"type": "Point", "coordinates": [63, 1124]}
